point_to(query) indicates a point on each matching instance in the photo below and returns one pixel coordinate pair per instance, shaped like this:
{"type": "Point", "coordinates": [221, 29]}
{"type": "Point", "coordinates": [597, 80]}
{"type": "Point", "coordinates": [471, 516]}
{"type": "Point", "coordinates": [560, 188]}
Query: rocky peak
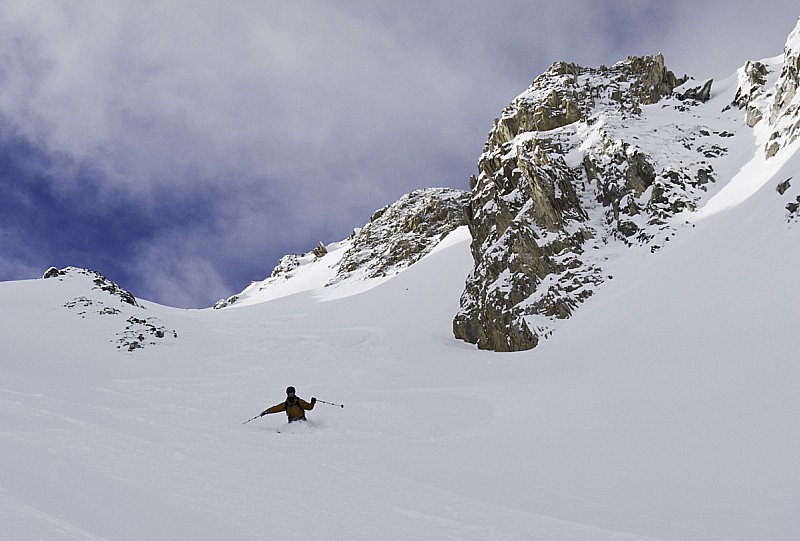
{"type": "Point", "coordinates": [400, 234]}
{"type": "Point", "coordinates": [99, 282]}
{"type": "Point", "coordinates": [573, 166]}
{"type": "Point", "coordinates": [567, 93]}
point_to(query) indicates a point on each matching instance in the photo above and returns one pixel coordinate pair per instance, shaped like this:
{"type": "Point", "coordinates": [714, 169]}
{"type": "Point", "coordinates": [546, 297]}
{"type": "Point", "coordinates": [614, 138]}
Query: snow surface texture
{"type": "Point", "coordinates": [665, 408]}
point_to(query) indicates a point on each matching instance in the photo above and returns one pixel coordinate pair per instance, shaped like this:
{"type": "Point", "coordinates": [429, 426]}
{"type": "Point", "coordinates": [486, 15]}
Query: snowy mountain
{"type": "Point", "coordinates": [664, 407]}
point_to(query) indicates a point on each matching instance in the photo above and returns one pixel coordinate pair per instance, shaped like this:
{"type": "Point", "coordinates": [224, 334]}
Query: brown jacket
{"type": "Point", "coordinates": [295, 411]}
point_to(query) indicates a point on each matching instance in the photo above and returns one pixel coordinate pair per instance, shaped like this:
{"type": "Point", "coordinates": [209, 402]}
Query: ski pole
{"type": "Point", "coordinates": [331, 403]}
{"type": "Point", "coordinates": [254, 418]}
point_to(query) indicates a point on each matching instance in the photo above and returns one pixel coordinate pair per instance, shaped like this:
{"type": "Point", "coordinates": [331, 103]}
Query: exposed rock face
{"type": "Point", "coordinates": [563, 174]}
{"type": "Point", "coordinates": [400, 234]}
{"type": "Point", "coordinates": [775, 99]}
{"type": "Point", "coordinates": [785, 112]}
{"type": "Point", "coordinates": [752, 91]}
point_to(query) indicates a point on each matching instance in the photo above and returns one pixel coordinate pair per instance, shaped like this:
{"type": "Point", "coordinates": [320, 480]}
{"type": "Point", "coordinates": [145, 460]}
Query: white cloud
{"type": "Point", "coordinates": [173, 270]}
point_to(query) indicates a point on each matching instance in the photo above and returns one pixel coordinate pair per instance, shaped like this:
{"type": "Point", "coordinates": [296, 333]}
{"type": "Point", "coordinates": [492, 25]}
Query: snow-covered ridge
{"type": "Point", "coordinates": [98, 282]}
{"type": "Point", "coordinates": [396, 237]}
{"type": "Point", "coordinates": [111, 308]}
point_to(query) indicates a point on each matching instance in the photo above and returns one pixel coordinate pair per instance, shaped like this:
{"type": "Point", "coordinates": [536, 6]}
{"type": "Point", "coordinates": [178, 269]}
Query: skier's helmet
{"type": "Point", "coordinates": [290, 390]}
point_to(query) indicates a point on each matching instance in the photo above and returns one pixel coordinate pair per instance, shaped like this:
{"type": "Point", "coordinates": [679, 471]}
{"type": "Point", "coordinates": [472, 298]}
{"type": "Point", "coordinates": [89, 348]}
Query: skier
{"type": "Point", "coordinates": [294, 406]}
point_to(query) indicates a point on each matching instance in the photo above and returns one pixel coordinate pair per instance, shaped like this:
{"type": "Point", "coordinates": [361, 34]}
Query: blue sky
{"type": "Point", "coordinates": [181, 148]}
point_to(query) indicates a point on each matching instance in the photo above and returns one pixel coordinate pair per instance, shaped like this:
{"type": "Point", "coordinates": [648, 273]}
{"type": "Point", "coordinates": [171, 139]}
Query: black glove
{"type": "Point", "coordinates": [263, 413]}
{"type": "Point", "coordinates": [313, 400]}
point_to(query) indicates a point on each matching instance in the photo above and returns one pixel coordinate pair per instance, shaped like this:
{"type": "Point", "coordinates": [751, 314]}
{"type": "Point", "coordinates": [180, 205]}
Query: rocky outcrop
{"type": "Point", "coordinates": [776, 101]}
{"type": "Point", "coordinates": [320, 250]}
{"type": "Point", "coordinates": [100, 282]}
{"type": "Point", "coordinates": [566, 94]}
{"type": "Point", "coordinates": [701, 93]}
{"type": "Point", "coordinates": [793, 206]}
{"type": "Point", "coordinates": [751, 93]}
{"type": "Point", "coordinates": [224, 303]}
{"type": "Point", "coordinates": [400, 234]}
{"type": "Point", "coordinates": [571, 167]}
{"type": "Point", "coordinates": [140, 332]}
{"type": "Point", "coordinates": [784, 114]}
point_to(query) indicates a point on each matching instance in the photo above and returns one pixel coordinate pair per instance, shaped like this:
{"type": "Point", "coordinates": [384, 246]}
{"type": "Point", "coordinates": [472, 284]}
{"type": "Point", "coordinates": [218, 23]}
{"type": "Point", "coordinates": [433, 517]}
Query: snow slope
{"type": "Point", "coordinates": [665, 408]}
